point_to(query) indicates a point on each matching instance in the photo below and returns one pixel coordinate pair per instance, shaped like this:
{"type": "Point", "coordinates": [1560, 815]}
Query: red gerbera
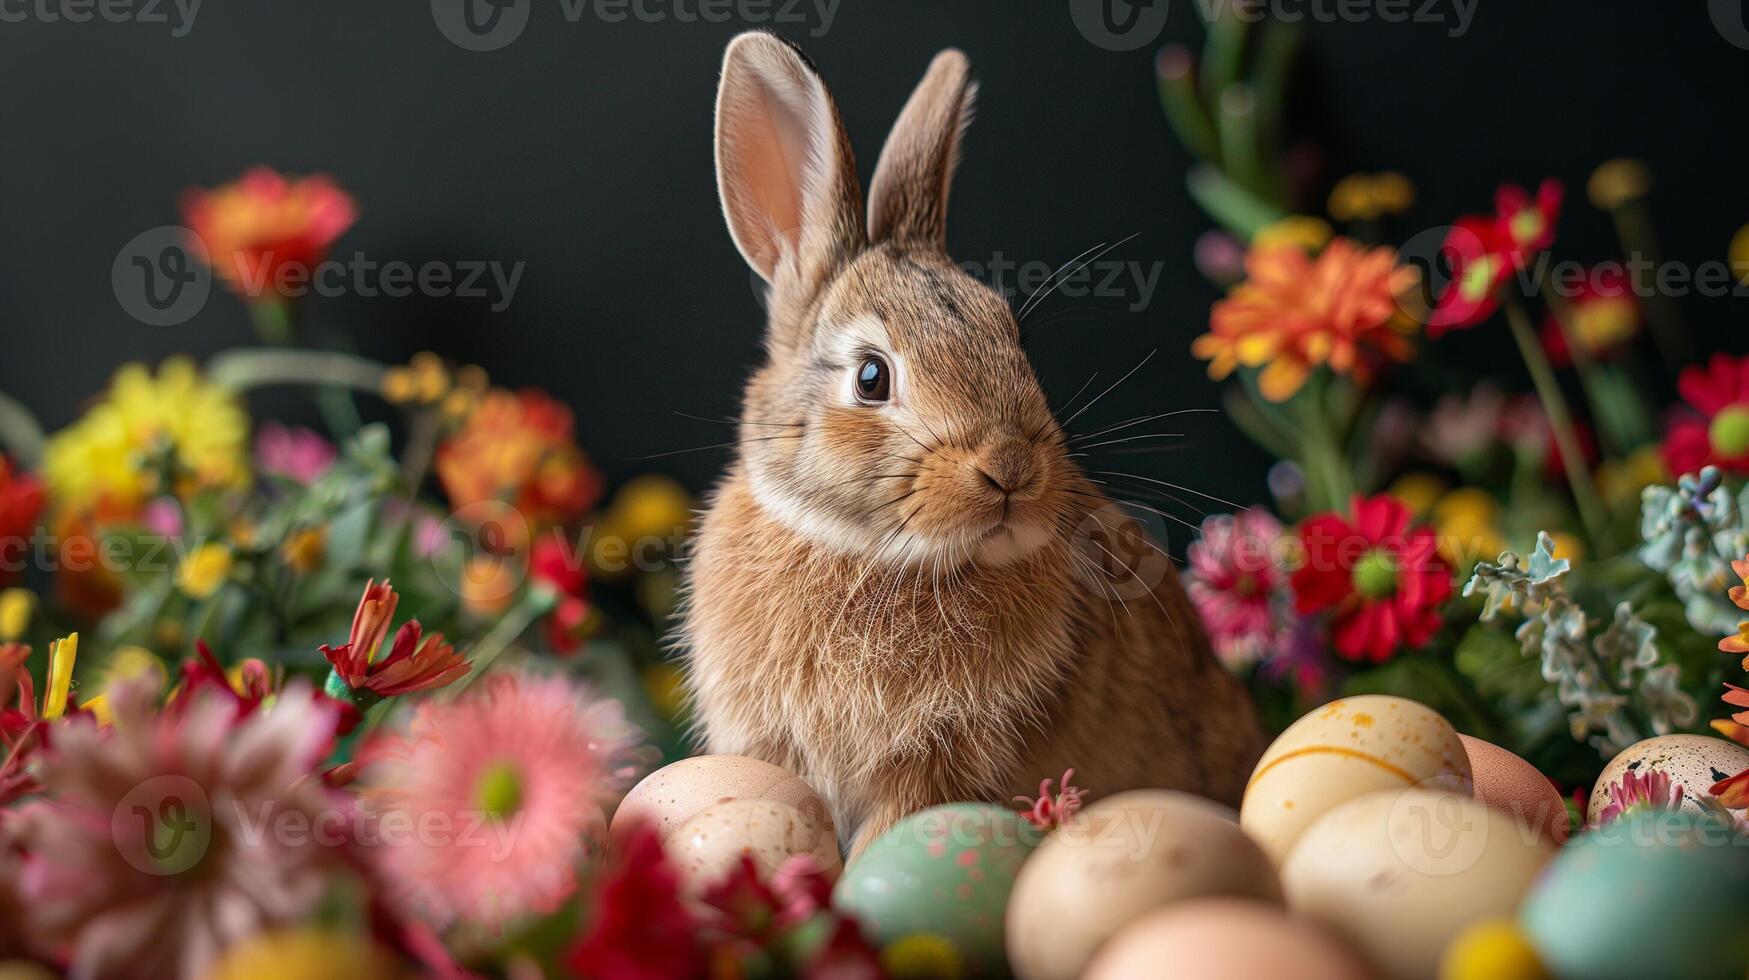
{"type": "Point", "coordinates": [1720, 437]}
{"type": "Point", "coordinates": [640, 928]}
{"type": "Point", "coordinates": [1381, 580]}
{"type": "Point", "coordinates": [1484, 251]}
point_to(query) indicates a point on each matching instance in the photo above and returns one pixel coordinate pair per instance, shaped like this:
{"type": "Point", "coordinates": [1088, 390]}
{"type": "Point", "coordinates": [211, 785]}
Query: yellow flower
{"type": "Point", "coordinates": [1468, 523]}
{"type": "Point", "coordinates": [62, 654]}
{"type": "Point", "coordinates": [1740, 254]}
{"type": "Point", "coordinates": [135, 664]}
{"type": "Point", "coordinates": [204, 570]}
{"type": "Point", "coordinates": [305, 954]}
{"type": "Point", "coordinates": [303, 550]}
{"type": "Point", "coordinates": [1492, 950]}
{"type": "Point", "coordinates": [99, 708]}
{"type": "Point", "coordinates": [664, 687]}
{"type": "Point", "coordinates": [1311, 234]}
{"type": "Point", "coordinates": [1621, 481]}
{"type": "Point", "coordinates": [1418, 491]}
{"type": "Point", "coordinates": [1368, 197]}
{"type": "Point", "coordinates": [16, 606]}
{"type": "Point", "coordinates": [1568, 546]}
{"type": "Point", "coordinates": [922, 954]}
{"type": "Point", "coordinates": [200, 426]}
{"type": "Point", "coordinates": [1618, 182]}
{"type": "Point", "coordinates": [423, 381]}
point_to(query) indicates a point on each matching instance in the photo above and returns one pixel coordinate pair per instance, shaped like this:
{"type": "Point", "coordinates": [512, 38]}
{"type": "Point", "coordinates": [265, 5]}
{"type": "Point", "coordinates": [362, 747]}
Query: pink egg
{"type": "Point", "coordinates": [1225, 939]}
{"type": "Point", "coordinates": [1514, 786]}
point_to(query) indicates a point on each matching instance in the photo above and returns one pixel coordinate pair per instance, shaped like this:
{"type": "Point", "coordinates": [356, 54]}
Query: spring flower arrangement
{"type": "Point", "coordinates": [1546, 565]}
{"type": "Point", "coordinates": [280, 700]}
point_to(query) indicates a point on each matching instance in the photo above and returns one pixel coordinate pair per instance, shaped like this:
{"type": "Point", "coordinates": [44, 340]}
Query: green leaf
{"type": "Point", "coordinates": [1495, 664]}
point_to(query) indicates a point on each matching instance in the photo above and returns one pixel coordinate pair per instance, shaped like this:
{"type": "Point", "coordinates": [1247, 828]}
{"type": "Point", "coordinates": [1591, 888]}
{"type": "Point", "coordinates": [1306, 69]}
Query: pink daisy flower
{"type": "Point", "coordinates": [1633, 791]}
{"type": "Point", "coordinates": [486, 805]}
{"type": "Point", "coordinates": [1240, 587]}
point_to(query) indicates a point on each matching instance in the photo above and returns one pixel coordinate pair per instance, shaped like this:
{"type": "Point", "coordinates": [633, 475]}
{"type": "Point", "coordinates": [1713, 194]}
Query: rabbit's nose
{"type": "Point", "coordinates": [1007, 465]}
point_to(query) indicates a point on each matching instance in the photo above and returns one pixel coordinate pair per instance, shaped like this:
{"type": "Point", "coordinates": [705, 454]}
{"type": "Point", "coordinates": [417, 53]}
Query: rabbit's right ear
{"type": "Point", "coordinates": [784, 166]}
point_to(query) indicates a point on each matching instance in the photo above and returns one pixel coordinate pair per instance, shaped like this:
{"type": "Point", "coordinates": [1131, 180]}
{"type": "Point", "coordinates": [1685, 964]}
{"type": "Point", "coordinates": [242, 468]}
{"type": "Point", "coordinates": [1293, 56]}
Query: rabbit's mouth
{"type": "Point", "coordinates": [1008, 541]}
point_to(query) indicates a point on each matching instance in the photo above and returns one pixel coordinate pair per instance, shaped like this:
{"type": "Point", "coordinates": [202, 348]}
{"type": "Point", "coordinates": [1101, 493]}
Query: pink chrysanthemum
{"type": "Point", "coordinates": [1633, 791]}
{"type": "Point", "coordinates": [1241, 588]}
{"type": "Point", "coordinates": [515, 772]}
{"type": "Point", "coordinates": [167, 837]}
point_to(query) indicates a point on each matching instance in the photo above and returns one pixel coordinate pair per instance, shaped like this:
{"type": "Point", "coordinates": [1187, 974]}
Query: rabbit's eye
{"type": "Point", "coordinates": [874, 380]}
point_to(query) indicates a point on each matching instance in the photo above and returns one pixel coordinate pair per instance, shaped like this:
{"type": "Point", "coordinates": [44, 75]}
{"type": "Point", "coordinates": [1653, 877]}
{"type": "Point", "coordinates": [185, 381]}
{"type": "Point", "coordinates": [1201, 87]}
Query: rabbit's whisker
{"type": "Point", "coordinates": [717, 445]}
{"type": "Point", "coordinates": [1127, 375]}
{"type": "Point", "coordinates": [1174, 486]}
{"type": "Point", "coordinates": [1145, 435]}
{"type": "Point", "coordinates": [1047, 422]}
{"type": "Point", "coordinates": [1052, 286]}
{"type": "Point", "coordinates": [726, 420]}
{"type": "Point", "coordinates": [1138, 420]}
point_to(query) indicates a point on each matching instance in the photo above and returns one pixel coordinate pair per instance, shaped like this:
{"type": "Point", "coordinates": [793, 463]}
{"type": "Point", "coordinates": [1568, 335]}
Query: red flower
{"type": "Point", "coordinates": [558, 566]}
{"type": "Point", "coordinates": [1720, 437]}
{"type": "Point", "coordinates": [1381, 580]}
{"type": "Point", "coordinates": [416, 662]}
{"type": "Point", "coordinates": [641, 930]}
{"type": "Point", "coordinates": [18, 726]}
{"type": "Point", "coordinates": [1485, 251]}
{"type": "Point", "coordinates": [265, 227]}
{"type": "Point", "coordinates": [21, 501]}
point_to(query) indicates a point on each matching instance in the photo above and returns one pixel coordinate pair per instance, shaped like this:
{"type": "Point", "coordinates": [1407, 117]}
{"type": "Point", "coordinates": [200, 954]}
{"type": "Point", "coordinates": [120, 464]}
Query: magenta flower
{"type": "Point", "coordinates": [297, 454]}
{"type": "Point", "coordinates": [1240, 586]}
{"type": "Point", "coordinates": [516, 771]}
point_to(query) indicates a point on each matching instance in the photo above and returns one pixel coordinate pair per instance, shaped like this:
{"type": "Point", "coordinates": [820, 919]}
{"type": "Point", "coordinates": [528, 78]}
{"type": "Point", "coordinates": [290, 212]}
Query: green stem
{"type": "Point", "coordinates": [1237, 209]}
{"type": "Point", "coordinates": [1586, 367]}
{"type": "Point", "coordinates": [1322, 446]}
{"type": "Point", "coordinates": [263, 367]}
{"type": "Point", "coordinates": [1548, 390]}
{"type": "Point", "coordinates": [1238, 126]}
{"type": "Point", "coordinates": [1633, 227]}
{"type": "Point", "coordinates": [1185, 113]}
{"type": "Point", "coordinates": [535, 603]}
{"type": "Point", "coordinates": [275, 327]}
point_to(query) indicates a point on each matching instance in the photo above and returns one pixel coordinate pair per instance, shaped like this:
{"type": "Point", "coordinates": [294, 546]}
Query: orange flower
{"type": "Point", "coordinates": [1740, 596]}
{"type": "Point", "coordinates": [263, 227]}
{"type": "Point", "coordinates": [1294, 313]}
{"type": "Point", "coordinates": [518, 447]}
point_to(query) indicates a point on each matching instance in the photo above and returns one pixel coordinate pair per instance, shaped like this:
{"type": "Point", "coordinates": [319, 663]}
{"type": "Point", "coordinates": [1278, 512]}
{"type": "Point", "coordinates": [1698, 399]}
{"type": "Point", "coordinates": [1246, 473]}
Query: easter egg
{"type": "Point", "coordinates": [1400, 873]}
{"type": "Point", "coordinates": [1342, 750]}
{"type": "Point", "coordinates": [707, 847]}
{"type": "Point", "coordinates": [1224, 939]}
{"type": "Point", "coordinates": [1653, 894]}
{"type": "Point", "coordinates": [1515, 787]}
{"type": "Point", "coordinates": [1115, 862]}
{"type": "Point", "coordinates": [946, 872]}
{"type": "Point", "coordinates": [1693, 762]}
{"type": "Point", "coordinates": [673, 794]}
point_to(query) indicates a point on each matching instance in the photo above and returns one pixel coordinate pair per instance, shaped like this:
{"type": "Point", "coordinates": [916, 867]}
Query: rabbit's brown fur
{"type": "Point", "coordinates": [921, 599]}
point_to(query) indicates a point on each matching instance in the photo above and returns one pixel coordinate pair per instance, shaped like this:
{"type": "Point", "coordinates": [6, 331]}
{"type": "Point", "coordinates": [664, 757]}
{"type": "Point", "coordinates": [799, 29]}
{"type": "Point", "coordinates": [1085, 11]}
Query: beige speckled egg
{"type": "Point", "coordinates": [1694, 762]}
{"type": "Point", "coordinates": [1118, 860]}
{"type": "Point", "coordinates": [707, 847]}
{"type": "Point", "coordinates": [1515, 787]}
{"type": "Point", "coordinates": [1225, 939]}
{"type": "Point", "coordinates": [671, 795]}
{"type": "Point", "coordinates": [1400, 873]}
{"type": "Point", "coordinates": [1343, 750]}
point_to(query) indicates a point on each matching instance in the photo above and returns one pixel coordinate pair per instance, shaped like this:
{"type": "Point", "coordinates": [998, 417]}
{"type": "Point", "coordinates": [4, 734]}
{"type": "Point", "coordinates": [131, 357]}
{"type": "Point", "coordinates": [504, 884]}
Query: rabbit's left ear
{"type": "Point", "coordinates": [907, 202]}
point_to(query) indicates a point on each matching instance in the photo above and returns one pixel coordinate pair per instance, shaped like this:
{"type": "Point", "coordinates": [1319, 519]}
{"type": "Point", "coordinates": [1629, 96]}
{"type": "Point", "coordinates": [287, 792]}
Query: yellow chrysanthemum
{"type": "Point", "coordinates": [1311, 234]}
{"type": "Point", "coordinates": [101, 458]}
{"type": "Point", "coordinates": [16, 606]}
{"type": "Point", "coordinates": [1368, 197]}
{"type": "Point", "coordinates": [307, 954]}
{"type": "Point", "coordinates": [204, 570]}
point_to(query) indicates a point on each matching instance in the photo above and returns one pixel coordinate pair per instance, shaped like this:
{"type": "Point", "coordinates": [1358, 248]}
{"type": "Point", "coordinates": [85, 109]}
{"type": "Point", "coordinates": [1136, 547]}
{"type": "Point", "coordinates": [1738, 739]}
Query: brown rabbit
{"type": "Point", "coordinates": [904, 591]}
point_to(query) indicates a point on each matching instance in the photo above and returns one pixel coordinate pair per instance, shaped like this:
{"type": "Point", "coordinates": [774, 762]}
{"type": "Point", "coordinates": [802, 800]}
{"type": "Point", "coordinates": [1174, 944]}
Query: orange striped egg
{"type": "Point", "coordinates": [1342, 750]}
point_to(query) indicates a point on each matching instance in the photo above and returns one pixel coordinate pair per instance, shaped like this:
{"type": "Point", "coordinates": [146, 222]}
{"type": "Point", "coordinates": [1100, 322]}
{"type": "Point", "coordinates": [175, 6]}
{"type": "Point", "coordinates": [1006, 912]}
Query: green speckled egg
{"type": "Point", "coordinates": [945, 871]}
{"type": "Point", "coordinates": [1649, 895]}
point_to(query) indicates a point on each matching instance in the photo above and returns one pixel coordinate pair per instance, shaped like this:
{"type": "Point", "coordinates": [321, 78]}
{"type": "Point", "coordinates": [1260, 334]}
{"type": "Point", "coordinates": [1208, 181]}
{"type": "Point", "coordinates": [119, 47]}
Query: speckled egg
{"type": "Point", "coordinates": [1115, 862]}
{"type": "Point", "coordinates": [1225, 939]}
{"type": "Point", "coordinates": [1649, 895]}
{"type": "Point", "coordinates": [1694, 762]}
{"type": "Point", "coordinates": [945, 872]}
{"type": "Point", "coordinates": [707, 847]}
{"type": "Point", "coordinates": [1515, 787]}
{"type": "Point", "coordinates": [671, 795]}
{"type": "Point", "coordinates": [1343, 750]}
{"type": "Point", "coordinates": [1400, 873]}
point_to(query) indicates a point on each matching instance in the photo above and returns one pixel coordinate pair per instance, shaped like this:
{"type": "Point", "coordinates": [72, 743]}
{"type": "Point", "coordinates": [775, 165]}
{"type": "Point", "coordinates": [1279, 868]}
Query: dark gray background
{"type": "Point", "coordinates": [584, 150]}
